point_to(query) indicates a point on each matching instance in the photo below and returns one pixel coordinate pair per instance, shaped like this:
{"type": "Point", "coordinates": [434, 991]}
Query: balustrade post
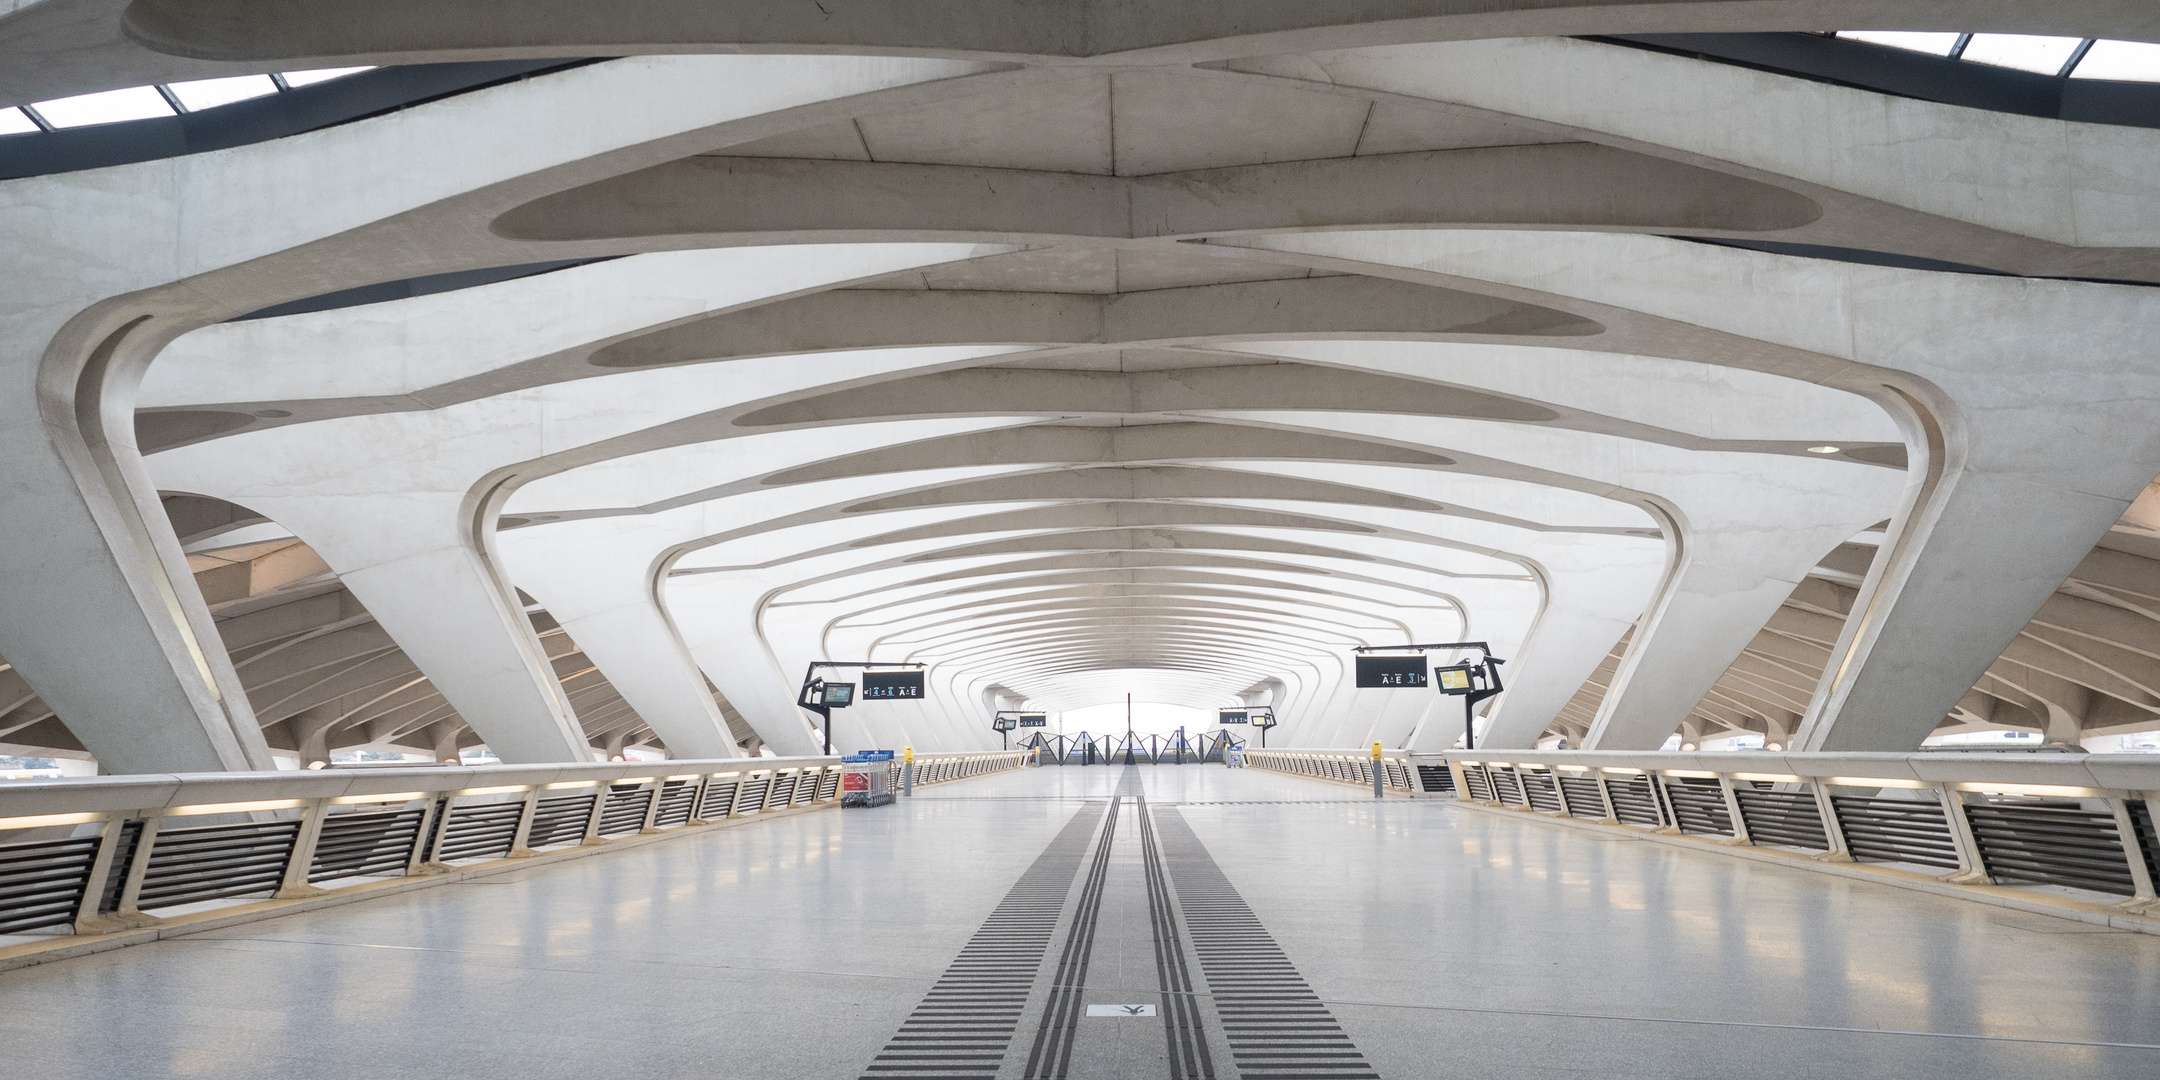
{"type": "Point", "coordinates": [592, 820]}
{"type": "Point", "coordinates": [1833, 829]}
{"type": "Point", "coordinates": [1740, 836]}
{"type": "Point", "coordinates": [521, 837]}
{"type": "Point", "coordinates": [1972, 867]}
{"type": "Point", "coordinates": [2133, 850]}
{"type": "Point", "coordinates": [302, 860]}
{"type": "Point", "coordinates": [129, 908]}
{"type": "Point", "coordinates": [652, 806]}
{"type": "Point", "coordinates": [87, 918]}
{"type": "Point", "coordinates": [432, 812]}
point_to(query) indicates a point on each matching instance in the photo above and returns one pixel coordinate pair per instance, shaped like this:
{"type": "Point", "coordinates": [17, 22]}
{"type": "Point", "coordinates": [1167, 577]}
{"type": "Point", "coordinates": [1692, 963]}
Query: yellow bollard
{"type": "Point", "coordinates": [1377, 773]}
{"type": "Point", "coordinates": [907, 770]}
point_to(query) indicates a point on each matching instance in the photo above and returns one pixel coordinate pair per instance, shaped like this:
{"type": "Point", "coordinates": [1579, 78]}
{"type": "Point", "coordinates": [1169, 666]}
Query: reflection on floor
{"type": "Point", "coordinates": [1433, 942]}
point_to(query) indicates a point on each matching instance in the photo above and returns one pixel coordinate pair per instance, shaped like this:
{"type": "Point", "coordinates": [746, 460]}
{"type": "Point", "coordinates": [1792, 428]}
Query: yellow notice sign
{"type": "Point", "coordinates": [1453, 678]}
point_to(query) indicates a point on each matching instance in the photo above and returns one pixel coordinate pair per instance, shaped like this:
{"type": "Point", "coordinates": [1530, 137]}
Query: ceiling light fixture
{"type": "Point", "coordinates": [1824, 449]}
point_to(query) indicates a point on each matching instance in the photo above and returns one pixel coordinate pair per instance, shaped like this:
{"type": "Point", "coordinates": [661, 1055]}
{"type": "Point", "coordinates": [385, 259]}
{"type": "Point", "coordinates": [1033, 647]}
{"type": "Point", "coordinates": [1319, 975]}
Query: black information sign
{"type": "Point", "coordinates": [1230, 716]}
{"type": "Point", "coordinates": [892, 685]}
{"type": "Point", "coordinates": [1002, 723]}
{"type": "Point", "coordinates": [1034, 719]}
{"type": "Point", "coordinates": [1391, 672]}
{"type": "Point", "coordinates": [838, 695]}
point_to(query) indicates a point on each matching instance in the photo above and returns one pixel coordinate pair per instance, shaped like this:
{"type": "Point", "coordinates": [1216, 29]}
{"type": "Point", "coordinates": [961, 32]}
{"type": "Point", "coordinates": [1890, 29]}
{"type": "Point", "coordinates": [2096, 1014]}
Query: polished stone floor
{"type": "Point", "coordinates": [1446, 943]}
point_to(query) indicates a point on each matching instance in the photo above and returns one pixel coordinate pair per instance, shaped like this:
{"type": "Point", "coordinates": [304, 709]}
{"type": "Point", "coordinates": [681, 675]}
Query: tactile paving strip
{"type": "Point", "coordinates": [965, 1024]}
{"type": "Point", "coordinates": [1277, 1028]}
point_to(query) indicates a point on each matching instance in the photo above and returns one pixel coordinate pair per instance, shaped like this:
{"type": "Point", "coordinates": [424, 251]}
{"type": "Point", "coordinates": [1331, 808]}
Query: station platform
{"type": "Point", "coordinates": [1117, 922]}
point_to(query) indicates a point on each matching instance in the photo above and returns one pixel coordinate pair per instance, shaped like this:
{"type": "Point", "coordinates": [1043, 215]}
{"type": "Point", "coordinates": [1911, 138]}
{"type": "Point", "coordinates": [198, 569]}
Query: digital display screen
{"type": "Point", "coordinates": [1034, 719]}
{"type": "Point", "coordinates": [1002, 723]}
{"type": "Point", "coordinates": [1391, 672]}
{"type": "Point", "coordinates": [838, 693]}
{"type": "Point", "coordinates": [1262, 719]}
{"type": "Point", "coordinates": [1228, 716]}
{"type": "Point", "coordinates": [892, 685]}
{"type": "Point", "coordinates": [1455, 680]}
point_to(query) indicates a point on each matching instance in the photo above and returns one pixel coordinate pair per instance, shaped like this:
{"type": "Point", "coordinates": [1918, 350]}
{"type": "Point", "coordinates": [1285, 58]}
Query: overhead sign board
{"type": "Point", "coordinates": [1034, 719]}
{"type": "Point", "coordinates": [892, 685]}
{"type": "Point", "coordinates": [1391, 672]}
{"type": "Point", "coordinates": [1232, 716]}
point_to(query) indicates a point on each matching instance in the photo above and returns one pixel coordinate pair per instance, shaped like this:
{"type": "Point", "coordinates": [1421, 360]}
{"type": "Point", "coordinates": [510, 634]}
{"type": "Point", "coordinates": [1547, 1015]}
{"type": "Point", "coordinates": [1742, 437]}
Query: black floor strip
{"type": "Point", "coordinates": [1276, 1027]}
{"type": "Point", "coordinates": [1052, 1053]}
{"type": "Point", "coordinates": [965, 1024]}
{"type": "Point", "coordinates": [1189, 1058]}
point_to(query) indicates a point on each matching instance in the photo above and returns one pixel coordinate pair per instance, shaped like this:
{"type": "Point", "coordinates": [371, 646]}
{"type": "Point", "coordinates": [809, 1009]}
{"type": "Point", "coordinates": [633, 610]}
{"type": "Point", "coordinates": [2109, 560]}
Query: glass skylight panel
{"type": "Point", "coordinates": [13, 122]}
{"type": "Point", "coordinates": [1936, 44]}
{"type": "Point", "coordinates": [2128, 61]}
{"type": "Point", "coordinates": [2025, 52]}
{"type": "Point", "coordinates": [106, 107]}
{"type": "Point", "coordinates": [210, 93]}
{"type": "Point", "coordinates": [310, 78]}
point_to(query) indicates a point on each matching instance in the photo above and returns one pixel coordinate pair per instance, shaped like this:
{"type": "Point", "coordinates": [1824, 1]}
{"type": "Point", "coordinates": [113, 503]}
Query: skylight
{"type": "Point", "coordinates": [298, 79]}
{"type": "Point", "coordinates": [2128, 61]}
{"type": "Point", "coordinates": [152, 102]}
{"type": "Point", "coordinates": [1938, 44]}
{"type": "Point", "coordinates": [2025, 52]}
{"type": "Point", "coordinates": [211, 93]}
{"type": "Point", "coordinates": [2076, 58]}
{"type": "Point", "coordinates": [105, 107]}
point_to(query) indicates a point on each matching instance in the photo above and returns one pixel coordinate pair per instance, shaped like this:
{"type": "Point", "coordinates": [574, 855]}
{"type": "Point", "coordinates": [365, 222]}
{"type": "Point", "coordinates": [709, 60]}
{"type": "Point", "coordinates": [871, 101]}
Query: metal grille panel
{"type": "Point", "coordinates": [719, 799]}
{"type": "Point", "coordinates": [2051, 844]}
{"type": "Point", "coordinates": [365, 844]}
{"type": "Point", "coordinates": [1542, 790]}
{"type": "Point", "coordinates": [560, 820]}
{"type": "Point", "coordinates": [1791, 818]}
{"type": "Point", "coordinates": [481, 831]}
{"type": "Point", "coordinates": [1633, 801]}
{"type": "Point", "coordinates": [42, 883]}
{"type": "Point", "coordinates": [828, 785]}
{"type": "Point", "coordinates": [1895, 830]}
{"type": "Point", "coordinates": [750, 796]}
{"type": "Point", "coordinates": [1699, 808]}
{"type": "Point", "coordinates": [1583, 798]}
{"type": "Point", "coordinates": [213, 862]}
{"type": "Point", "coordinates": [1479, 780]}
{"type": "Point", "coordinates": [1507, 786]}
{"type": "Point", "coordinates": [1436, 779]}
{"type": "Point", "coordinates": [675, 799]}
{"type": "Point", "coordinates": [625, 809]}
{"type": "Point", "coordinates": [2141, 822]}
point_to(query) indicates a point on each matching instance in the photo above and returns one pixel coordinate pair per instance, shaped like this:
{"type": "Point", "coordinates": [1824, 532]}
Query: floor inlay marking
{"type": "Point", "coordinates": [1051, 1055]}
{"type": "Point", "coordinates": [1277, 1028]}
{"type": "Point", "coordinates": [965, 1024]}
{"type": "Point", "coordinates": [1181, 1012]}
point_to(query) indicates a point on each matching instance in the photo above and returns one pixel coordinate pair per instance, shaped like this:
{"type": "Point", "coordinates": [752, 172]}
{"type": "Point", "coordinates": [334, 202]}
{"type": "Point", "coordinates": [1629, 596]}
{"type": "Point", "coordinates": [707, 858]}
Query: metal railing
{"type": "Point", "coordinates": [1341, 766]}
{"type": "Point", "coordinates": [2078, 821]}
{"type": "Point", "coordinates": [1082, 748]}
{"type": "Point", "coordinates": [101, 854]}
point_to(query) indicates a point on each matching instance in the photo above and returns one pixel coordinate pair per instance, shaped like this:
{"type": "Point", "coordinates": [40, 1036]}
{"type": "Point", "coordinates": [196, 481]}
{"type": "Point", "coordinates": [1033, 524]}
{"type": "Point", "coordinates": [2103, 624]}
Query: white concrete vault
{"type": "Point", "coordinates": [1071, 351]}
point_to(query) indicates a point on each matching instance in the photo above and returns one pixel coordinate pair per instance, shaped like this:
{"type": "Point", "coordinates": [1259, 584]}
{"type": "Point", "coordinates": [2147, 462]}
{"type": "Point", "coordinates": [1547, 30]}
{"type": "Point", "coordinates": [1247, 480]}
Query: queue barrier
{"type": "Point", "coordinates": [101, 854]}
{"type": "Point", "coordinates": [2021, 819]}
